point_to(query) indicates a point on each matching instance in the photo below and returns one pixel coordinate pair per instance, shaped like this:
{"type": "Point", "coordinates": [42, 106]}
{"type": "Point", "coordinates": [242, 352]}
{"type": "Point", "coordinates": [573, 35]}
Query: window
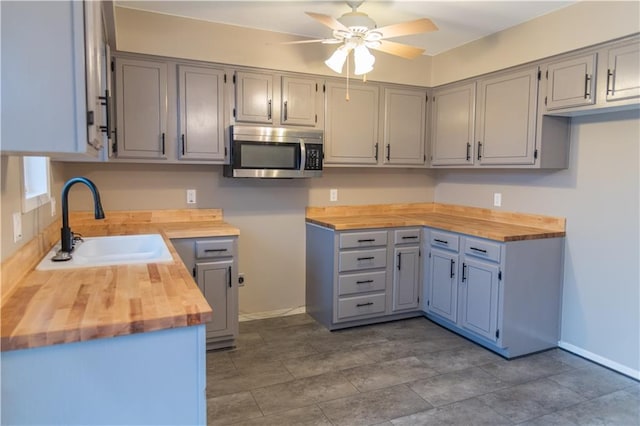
{"type": "Point", "coordinates": [36, 189]}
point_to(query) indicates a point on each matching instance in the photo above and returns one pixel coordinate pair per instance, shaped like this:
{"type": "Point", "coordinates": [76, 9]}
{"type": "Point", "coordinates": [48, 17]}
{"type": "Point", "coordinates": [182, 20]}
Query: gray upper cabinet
{"type": "Point", "coordinates": [571, 82]}
{"type": "Point", "coordinates": [623, 74]}
{"type": "Point", "coordinates": [201, 113]}
{"type": "Point", "coordinates": [351, 135]}
{"type": "Point", "coordinates": [506, 118]}
{"type": "Point", "coordinates": [254, 97]}
{"type": "Point", "coordinates": [452, 125]}
{"type": "Point", "coordinates": [52, 77]}
{"type": "Point", "coordinates": [301, 103]}
{"type": "Point", "coordinates": [141, 94]}
{"type": "Point", "coordinates": [404, 126]}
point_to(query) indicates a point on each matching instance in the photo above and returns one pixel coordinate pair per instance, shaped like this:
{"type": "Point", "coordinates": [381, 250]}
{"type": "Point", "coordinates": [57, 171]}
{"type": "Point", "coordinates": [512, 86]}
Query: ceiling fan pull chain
{"type": "Point", "coordinates": [347, 96]}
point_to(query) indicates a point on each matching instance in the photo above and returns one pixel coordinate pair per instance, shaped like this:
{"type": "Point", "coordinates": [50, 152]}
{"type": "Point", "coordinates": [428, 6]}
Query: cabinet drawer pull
{"type": "Point", "coordinates": [359, 305]}
{"type": "Point", "coordinates": [412, 237]}
{"type": "Point", "coordinates": [367, 240]}
{"type": "Point", "coordinates": [364, 282]}
{"type": "Point", "coordinates": [453, 267]}
{"type": "Point", "coordinates": [464, 277]}
{"type": "Point", "coordinates": [479, 250]}
{"type": "Point", "coordinates": [366, 258]}
{"type": "Point", "coordinates": [214, 250]}
{"type": "Point", "coordinates": [440, 241]}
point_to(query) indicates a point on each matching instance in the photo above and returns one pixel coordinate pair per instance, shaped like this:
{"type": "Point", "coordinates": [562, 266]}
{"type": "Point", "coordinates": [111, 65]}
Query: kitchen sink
{"type": "Point", "coordinates": [113, 250]}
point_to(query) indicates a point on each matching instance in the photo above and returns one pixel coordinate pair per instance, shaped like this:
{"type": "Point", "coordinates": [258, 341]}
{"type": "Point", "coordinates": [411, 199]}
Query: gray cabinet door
{"type": "Point", "coordinates": [254, 97]}
{"type": "Point", "coordinates": [506, 118]}
{"type": "Point", "coordinates": [443, 288]}
{"type": "Point", "coordinates": [141, 92]}
{"type": "Point", "coordinates": [299, 101]}
{"type": "Point", "coordinates": [623, 77]}
{"type": "Point", "coordinates": [452, 125]}
{"type": "Point", "coordinates": [201, 113]}
{"type": "Point", "coordinates": [571, 83]}
{"type": "Point", "coordinates": [351, 135]}
{"type": "Point", "coordinates": [404, 126]}
{"type": "Point", "coordinates": [215, 282]}
{"type": "Point", "coordinates": [406, 278]}
{"type": "Point", "coordinates": [479, 298]}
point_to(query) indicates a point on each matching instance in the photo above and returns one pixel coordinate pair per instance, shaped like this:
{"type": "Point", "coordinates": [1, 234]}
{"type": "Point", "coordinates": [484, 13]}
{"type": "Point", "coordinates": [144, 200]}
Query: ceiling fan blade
{"type": "Point", "coordinates": [328, 21]}
{"type": "Point", "coordinates": [319, 40]}
{"type": "Point", "coordinates": [423, 25]}
{"type": "Point", "coordinates": [398, 49]}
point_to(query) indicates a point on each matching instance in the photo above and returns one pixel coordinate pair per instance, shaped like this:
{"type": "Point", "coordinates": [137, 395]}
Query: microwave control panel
{"type": "Point", "coordinates": [313, 157]}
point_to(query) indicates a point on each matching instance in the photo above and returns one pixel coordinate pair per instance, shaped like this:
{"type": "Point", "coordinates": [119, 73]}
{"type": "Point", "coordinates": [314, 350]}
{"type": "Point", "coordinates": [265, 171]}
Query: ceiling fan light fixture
{"type": "Point", "coordinates": [364, 60]}
{"type": "Point", "coordinates": [337, 59]}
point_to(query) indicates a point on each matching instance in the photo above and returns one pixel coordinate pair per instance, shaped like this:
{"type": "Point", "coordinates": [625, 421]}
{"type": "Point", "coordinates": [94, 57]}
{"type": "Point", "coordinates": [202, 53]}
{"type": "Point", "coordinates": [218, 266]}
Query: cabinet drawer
{"type": "Point", "coordinates": [407, 236]}
{"type": "Point", "coordinates": [362, 283]}
{"type": "Point", "coordinates": [445, 240]}
{"type": "Point", "coordinates": [363, 239]}
{"type": "Point", "coordinates": [361, 305]}
{"type": "Point", "coordinates": [214, 248]}
{"type": "Point", "coordinates": [481, 248]}
{"type": "Point", "coordinates": [363, 259]}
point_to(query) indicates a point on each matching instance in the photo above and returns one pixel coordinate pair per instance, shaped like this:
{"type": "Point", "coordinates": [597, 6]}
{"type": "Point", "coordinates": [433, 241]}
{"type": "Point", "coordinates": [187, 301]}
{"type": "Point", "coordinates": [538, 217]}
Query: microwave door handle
{"type": "Point", "coordinates": [303, 155]}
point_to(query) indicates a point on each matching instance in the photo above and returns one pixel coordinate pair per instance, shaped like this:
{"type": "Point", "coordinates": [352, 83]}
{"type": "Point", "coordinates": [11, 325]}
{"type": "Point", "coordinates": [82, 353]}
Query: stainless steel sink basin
{"type": "Point", "coordinates": [115, 250]}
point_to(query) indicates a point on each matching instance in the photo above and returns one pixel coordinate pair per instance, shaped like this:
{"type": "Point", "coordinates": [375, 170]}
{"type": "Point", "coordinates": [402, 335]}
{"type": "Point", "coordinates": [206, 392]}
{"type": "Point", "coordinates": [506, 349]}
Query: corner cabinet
{"type": "Point", "coordinates": [404, 117]}
{"type": "Point", "coordinates": [212, 262]}
{"type": "Point", "coordinates": [502, 295]}
{"type": "Point", "coordinates": [362, 277]}
{"type": "Point", "coordinates": [53, 62]}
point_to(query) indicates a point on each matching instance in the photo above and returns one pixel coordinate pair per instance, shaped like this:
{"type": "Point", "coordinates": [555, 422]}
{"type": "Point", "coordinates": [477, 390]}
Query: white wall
{"type": "Point", "coordinates": [599, 196]}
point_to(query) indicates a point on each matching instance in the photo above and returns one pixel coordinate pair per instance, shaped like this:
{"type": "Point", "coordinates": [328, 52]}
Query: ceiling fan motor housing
{"type": "Point", "coordinates": [357, 22]}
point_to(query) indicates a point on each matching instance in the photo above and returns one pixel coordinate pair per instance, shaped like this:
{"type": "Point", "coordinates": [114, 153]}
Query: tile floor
{"type": "Point", "coordinates": [292, 371]}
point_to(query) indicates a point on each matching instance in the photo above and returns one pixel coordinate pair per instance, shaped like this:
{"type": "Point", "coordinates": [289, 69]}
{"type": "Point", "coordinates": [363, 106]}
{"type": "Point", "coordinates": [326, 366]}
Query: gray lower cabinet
{"type": "Point", "coordinates": [213, 264]}
{"type": "Point", "coordinates": [502, 295]}
{"type": "Point", "coordinates": [362, 277]}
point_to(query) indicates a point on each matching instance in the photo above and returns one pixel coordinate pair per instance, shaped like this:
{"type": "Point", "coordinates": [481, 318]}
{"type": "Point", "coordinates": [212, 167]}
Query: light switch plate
{"type": "Point", "coordinates": [17, 227]}
{"type": "Point", "coordinates": [333, 195]}
{"type": "Point", "coordinates": [497, 199]}
{"type": "Point", "coordinates": [191, 196]}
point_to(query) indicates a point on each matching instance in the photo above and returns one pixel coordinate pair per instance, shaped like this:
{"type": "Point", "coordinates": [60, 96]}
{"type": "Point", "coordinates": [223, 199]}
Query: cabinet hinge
{"type": "Point", "coordinates": [316, 118]}
{"type": "Point", "coordinates": [193, 271]}
{"type": "Point", "coordinates": [316, 87]}
{"type": "Point", "coordinates": [225, 77]}
{"type": "Point", "coordinates": [225, 152]}
{"type": "Point", "coordinates": [234, 79]}
{"type": "Point", "coordinates": [324, 88]}
{"type": "Point", "coordinates": [539, 74]}
{"type": "Point", "coordinates": [90, 118]}
{"type": "Point", "coordinates": [113, 66]}
{"type": "Point", "coordinates": [114, 148]}
{"type": "Point", "coordinates": [424, 157]}
{"type": "Point", "coordinates": [545, 101]}
{"type": "Point", "coordinates": [535, 154]}
{"type": "Point", "coordinates": [500, 275]}
{"type": "Point", "coordinates": [234, 113]}
{"type": "Point", "coordinates": [427, 303]}
{"type": "Point", "coordinates": [546, 75]}
{"type": "Point", "coordinates": [418, 299]}
{"type": "Point", "coordinates": [429, 255]}
{"type": "Point", "coordinates": [497, 334]}
{"type": "Point", "coordinates": [427, 98]}
{"type": "Point", "coordinates": [419, 253]}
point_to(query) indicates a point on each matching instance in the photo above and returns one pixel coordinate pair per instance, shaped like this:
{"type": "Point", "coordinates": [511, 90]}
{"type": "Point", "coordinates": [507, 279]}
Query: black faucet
{"type": "Point", "coordinates": [66, 234]}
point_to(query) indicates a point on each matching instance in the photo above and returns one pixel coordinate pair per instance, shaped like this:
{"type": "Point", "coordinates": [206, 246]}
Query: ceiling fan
{"type": "Point", "coordinates": [357, 32]}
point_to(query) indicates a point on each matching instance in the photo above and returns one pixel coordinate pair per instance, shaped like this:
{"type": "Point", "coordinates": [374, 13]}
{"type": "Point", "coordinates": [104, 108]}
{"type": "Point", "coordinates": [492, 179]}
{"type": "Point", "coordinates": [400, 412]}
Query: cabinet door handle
{"type": "Point", "coordinates": [441, 241]}
{"type": "Point", "coordinates": [285, 111]}
{"type": "Point", "coordinates": [479, 150]}
{"type": "Point", "coordinates": [364, 304]}
{"type": "Point", "coordinates": [269, 109]}
{"type": "Point", "coordinates": [468, 151]}
{"type": "Point", "coordinates": [107, 104]}
{"type": "Point", "coordinates": [477, 249]}
{"type": "Point", "coordinates": [609, 76]}
{"type": "Point", "coordinates": [182, 138]}
{"type": "Point", "coordinates": [366, 240]}
{"type": "Point", "coordinates": [388, 152]}
{"type": "Point", "coordinates": [464, 277]}
{"type": "Point", "coordinates": [229, 276]}
{"type": "Point", "coordinates": [162, 143]}
{"type": "Point", "coordinates": [366, 258]}
{"type": "Point", "coordinates": [453, 267]}
{"type": "Point", "coordinates": [410, 237]}
{"type": "Point", "coordinates": [587, 80]}
{"type": "Point", "coordinates": [364, 282]}
{"type": "Point", "coordinates": [399, 261]}
{"type": "Point", "coordinates": [376, 154]}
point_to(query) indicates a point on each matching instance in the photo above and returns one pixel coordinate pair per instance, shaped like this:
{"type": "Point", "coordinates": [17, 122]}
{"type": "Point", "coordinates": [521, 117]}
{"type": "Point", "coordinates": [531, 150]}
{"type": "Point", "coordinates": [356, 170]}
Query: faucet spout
{"type": "Point", "coordinates": [66, 234]}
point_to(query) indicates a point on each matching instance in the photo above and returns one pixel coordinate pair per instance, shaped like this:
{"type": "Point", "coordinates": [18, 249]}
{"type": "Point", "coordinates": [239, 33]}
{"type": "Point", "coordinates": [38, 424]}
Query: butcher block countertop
{"type": "Point", "coordinates": [41, 308]}
{"type": "Point", "coordinates": [491, 224]}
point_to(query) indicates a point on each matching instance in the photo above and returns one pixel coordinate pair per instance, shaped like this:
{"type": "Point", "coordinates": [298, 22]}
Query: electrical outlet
{"type": "Point", "coordinates": [241, 279]}
{"type": "Point", "coordinates": [333, 195]}
{"type": "Point", "coordinates": [53, 206]}
{"type": "Point", "coordinates": [17, 227]}
{"type": "Point", "coordinates": [497, 199]}
{"type": "Point", "coordinates": [191, 196]}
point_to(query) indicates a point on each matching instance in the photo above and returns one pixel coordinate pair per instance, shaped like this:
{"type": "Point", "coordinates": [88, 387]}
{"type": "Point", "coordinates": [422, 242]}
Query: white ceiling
{"type": "Point", "coordinates": [459, 22]}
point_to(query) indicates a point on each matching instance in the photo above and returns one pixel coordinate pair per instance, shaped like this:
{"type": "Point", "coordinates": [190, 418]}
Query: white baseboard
{"type": "Point", "coordinates": [634, 374]}
{"type": "Point", "coordinates": [272, 314]}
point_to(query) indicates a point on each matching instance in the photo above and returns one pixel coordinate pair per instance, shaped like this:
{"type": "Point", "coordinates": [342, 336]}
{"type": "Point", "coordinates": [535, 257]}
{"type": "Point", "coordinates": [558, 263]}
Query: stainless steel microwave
{"type": "Point", "coordinates": [274, 152]}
